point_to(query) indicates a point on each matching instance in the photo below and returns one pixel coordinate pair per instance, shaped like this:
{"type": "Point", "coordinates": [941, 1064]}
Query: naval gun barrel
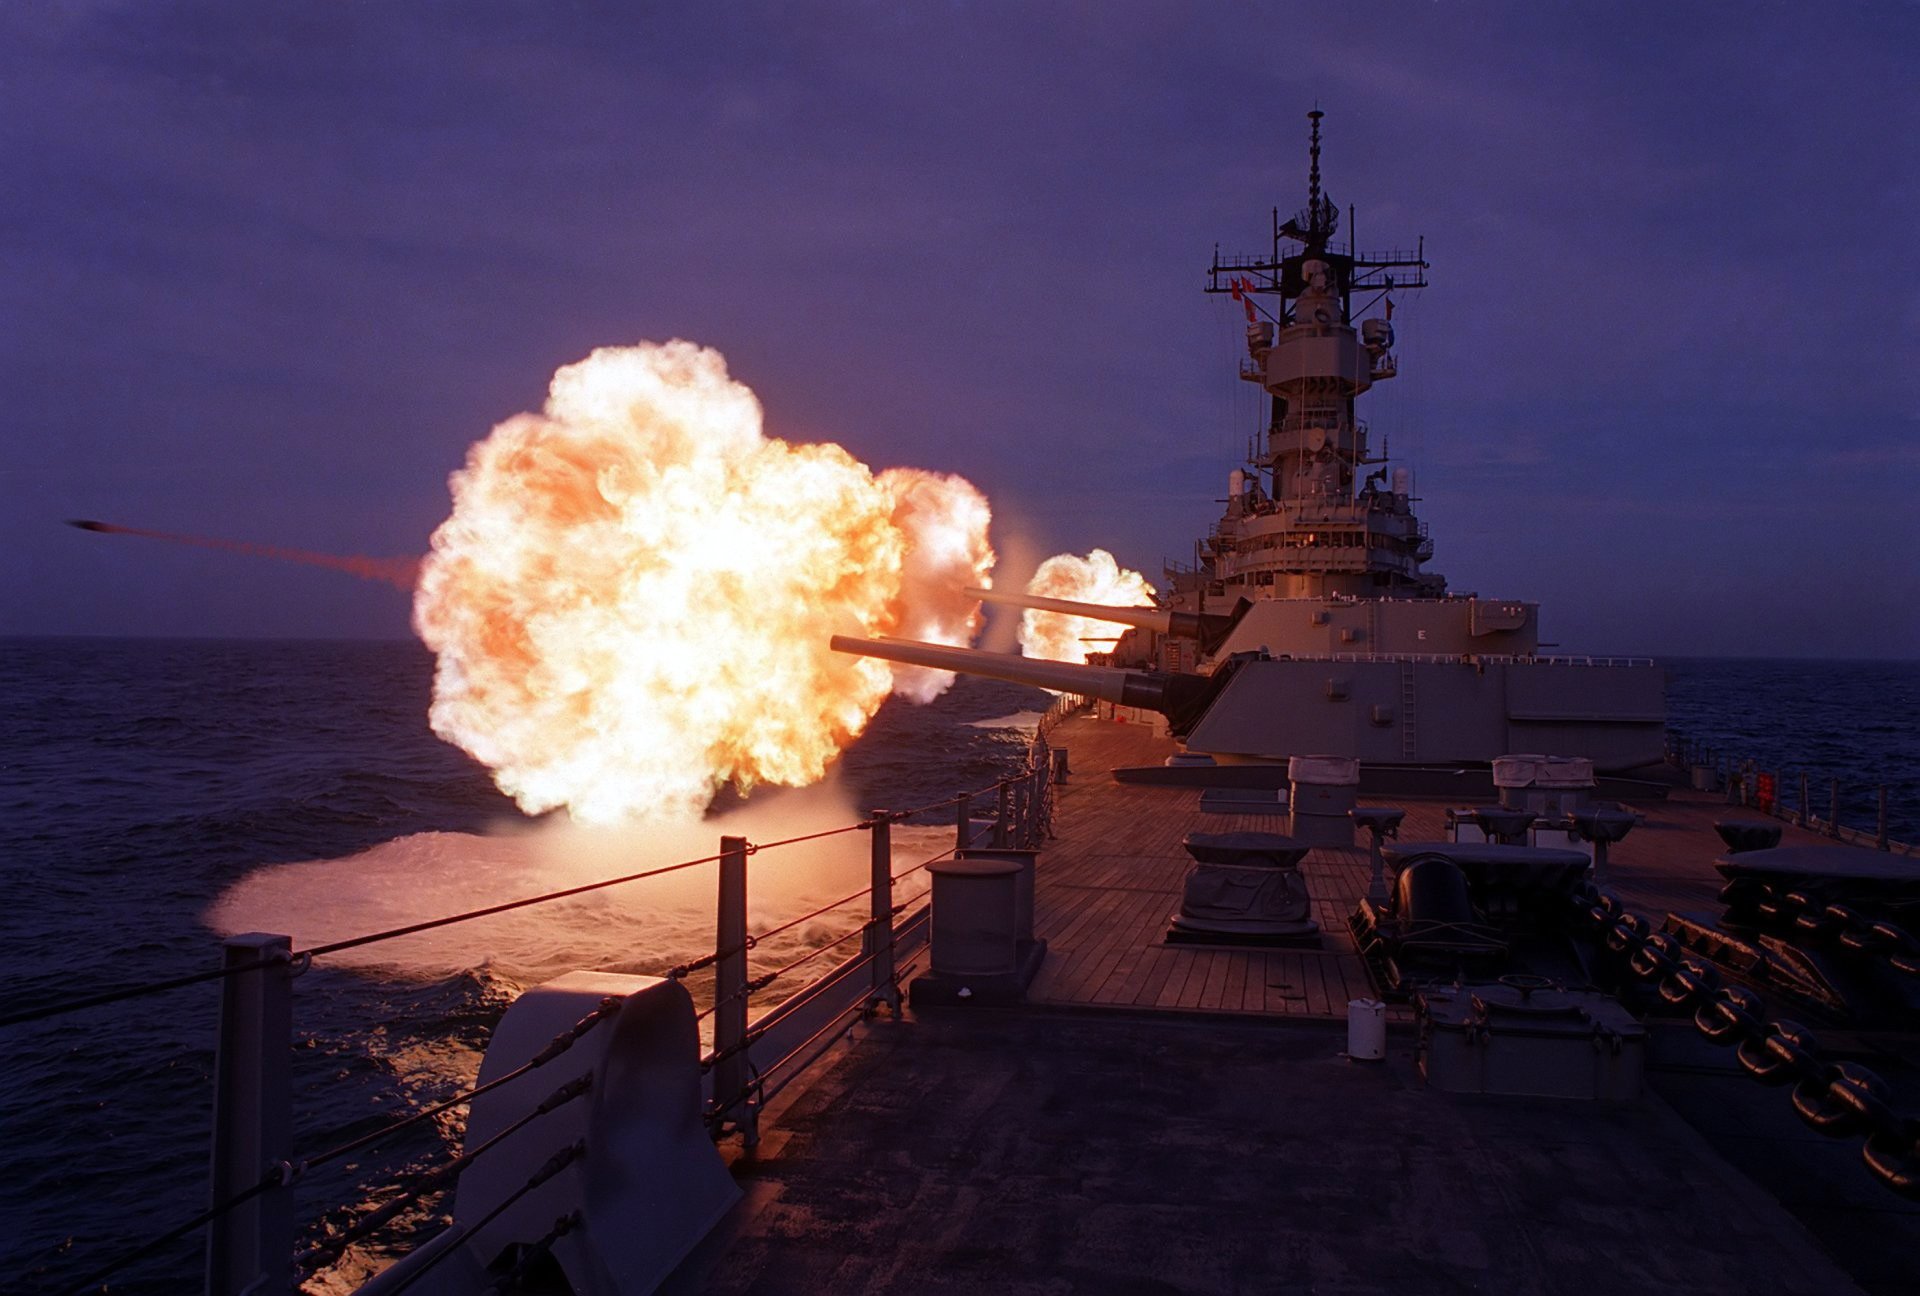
{"type": "Point", "coordinates": [1173, 695]}
{"type": "Point", "coordinates": [1207, 626]}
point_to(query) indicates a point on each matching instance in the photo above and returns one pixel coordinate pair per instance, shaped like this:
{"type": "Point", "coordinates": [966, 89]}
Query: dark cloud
{"type": "Point", "coordinates": [266, 271]}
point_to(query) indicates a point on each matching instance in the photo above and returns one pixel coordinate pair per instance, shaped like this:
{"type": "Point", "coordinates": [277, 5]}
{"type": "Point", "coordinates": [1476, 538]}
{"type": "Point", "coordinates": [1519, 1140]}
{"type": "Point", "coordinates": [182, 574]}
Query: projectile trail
{"type": "Point", "coordinates": [401, 573]}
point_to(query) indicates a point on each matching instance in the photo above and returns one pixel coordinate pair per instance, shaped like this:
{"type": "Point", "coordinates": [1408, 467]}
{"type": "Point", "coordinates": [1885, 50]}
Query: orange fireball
{"type": "Point", "coordinates": [1097, 578]}
{"type": "Point", "coordinates": [632, 599]}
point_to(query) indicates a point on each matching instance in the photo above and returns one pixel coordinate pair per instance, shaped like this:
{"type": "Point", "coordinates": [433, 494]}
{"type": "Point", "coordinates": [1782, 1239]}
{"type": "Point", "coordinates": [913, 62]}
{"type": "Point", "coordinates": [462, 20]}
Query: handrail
{"type": "Point", "coordinates": [1750, 784]}
{"type": "Point", "coordinates": [1489, 659]}
{"type": "Point", "coordinates": [1020, 814]}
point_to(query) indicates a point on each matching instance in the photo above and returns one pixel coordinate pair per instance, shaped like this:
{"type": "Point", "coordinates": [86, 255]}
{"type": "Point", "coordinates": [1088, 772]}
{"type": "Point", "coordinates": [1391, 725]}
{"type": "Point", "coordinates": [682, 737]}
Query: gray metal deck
{"type": "Point", "coordinates": [1054, 1151]}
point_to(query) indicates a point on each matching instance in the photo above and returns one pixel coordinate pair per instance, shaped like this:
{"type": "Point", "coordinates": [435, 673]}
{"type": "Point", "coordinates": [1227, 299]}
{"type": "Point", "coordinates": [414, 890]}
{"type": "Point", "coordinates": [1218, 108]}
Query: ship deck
{"type": "Point", "coordinates": [1183, 1119]}
{"type": "Point", "coordinates": [1109, 882]}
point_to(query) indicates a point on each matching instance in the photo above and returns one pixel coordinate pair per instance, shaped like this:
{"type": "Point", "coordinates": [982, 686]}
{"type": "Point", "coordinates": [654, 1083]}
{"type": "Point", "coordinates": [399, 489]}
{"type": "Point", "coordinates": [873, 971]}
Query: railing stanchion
{"type": "Point", "coordinates": [1806, 801]}
{"type": "Point", "coordinates": [1833, 808]}
{"type": "Point", "coordinates": [1880, 836]}
{"type": "Point", "coordinates": [1001, 819]}
{"type": "Point", "coordinates": [250, 1248]}
{"type": "Point", "coordinates": [879, 935]}
{"type": "Point", "coordinates": [963, 823]}
{"type": "Point", "coordinates": [730, 992]}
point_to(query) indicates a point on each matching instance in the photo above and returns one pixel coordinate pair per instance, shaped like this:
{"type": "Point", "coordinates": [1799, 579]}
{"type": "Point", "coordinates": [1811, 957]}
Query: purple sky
{"type": "Point", "coordinates": [266, 276]}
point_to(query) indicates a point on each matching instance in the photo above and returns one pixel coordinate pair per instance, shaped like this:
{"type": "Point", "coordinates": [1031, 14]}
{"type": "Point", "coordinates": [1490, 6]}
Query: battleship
{"type": "Point", "coordinates": [1309, 613]}
{"type": "Point", "coordinates": [1330, 939]}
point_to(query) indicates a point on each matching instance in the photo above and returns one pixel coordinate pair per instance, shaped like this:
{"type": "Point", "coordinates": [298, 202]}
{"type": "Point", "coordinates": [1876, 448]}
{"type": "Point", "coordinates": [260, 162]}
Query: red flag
{"type": "Point", "coordinates": [1233, 286]}
{"type": "Point", "coordinates": [1246, 287]}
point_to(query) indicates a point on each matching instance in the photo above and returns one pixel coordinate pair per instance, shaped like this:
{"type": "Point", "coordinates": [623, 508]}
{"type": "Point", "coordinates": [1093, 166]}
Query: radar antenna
{"type": "Point", "coordinates": [1278, 273]}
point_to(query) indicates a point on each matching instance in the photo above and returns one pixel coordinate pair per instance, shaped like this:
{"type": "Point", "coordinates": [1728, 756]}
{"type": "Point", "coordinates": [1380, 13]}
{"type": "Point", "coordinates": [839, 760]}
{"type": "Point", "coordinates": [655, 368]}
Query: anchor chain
{"type": "Point", "coordinates": [1838, 1099]}
{"type": "Point", "coordinates": [1817, 922]}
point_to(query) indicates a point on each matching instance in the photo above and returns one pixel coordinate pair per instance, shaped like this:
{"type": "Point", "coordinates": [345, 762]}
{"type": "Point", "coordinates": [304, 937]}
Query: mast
{"type": "Point", "coordinates": [1308, 526]}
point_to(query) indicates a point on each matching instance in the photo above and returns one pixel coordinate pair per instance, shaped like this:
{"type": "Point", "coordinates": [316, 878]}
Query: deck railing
{"type": "Point", "coordinates": [1793, 797]}
{"type": "Point", "coordinates": [250, 1224]}
{"type": "Point", "coordinates": [1490, 659]}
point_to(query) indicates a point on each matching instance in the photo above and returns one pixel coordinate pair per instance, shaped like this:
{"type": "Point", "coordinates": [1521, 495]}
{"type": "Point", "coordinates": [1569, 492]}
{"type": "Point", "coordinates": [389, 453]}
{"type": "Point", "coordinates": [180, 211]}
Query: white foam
{"type": "Point", "coordinates": [648, 923]}
{"type": "Point", "coordinates": [1018, 720]}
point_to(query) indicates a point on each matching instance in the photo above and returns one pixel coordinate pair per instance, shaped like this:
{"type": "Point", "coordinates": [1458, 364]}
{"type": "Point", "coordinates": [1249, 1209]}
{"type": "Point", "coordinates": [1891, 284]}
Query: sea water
{"type": "Point", "coordinates": [158, 793]}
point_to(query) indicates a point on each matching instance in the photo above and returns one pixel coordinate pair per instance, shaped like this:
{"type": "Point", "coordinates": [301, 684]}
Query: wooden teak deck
{"type": "Point", "coordinates": [1107, 885]}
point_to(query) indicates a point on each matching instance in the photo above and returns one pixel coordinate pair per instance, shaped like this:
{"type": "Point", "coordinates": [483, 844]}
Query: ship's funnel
{"type": "Point", "coordinates": [1208, 627]}
{"type": "Point", "coordinates": [1178, 697]}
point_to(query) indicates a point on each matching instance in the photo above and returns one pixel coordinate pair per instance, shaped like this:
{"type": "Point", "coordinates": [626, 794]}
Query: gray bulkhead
{"type": "Point", "coordinates": [1411, 712]}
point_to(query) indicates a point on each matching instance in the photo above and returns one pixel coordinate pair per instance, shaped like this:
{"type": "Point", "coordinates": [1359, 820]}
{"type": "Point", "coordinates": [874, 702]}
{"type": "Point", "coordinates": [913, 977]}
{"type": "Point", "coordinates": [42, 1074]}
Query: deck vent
{"type": "Point", "coordinates": [1321, 617]}
{"type": "Point", "coordinates": [1338, 690]}
{"type": "Point", "coordinates": [1350, 634]}
{"type": "Point", "coordinates": [1382, 716]}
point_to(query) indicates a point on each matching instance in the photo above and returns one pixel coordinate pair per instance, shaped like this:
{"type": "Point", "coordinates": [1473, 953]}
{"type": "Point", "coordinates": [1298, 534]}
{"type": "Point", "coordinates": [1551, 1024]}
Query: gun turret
{"type": "Point", "coordinates": [1210, 628]}
{"type": "Point", "coordinates": [1182, 698]}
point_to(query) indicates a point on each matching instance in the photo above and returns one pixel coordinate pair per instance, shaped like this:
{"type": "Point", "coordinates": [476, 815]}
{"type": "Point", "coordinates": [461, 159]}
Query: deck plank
{"type": "Point", "coordinates": [1106, 885]}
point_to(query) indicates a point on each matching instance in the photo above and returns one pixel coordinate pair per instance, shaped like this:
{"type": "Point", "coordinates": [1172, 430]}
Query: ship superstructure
{"type": "Point", "coordinates": [1295, 525]}
{"type": "Point", "coordinates": [1320, 533]}
{"type": "Point", "coordinates": [1308, 623]}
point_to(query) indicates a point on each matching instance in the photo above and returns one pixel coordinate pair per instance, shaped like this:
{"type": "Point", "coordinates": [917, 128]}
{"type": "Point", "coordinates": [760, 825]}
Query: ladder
{"type": "Point", "coordinates": [1407, 739]}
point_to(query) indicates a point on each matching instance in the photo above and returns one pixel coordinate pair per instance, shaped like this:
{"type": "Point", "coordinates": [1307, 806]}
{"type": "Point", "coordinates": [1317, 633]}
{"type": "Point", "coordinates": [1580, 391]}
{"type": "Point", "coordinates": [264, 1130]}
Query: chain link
{"type": "Point", "coordinates": [1838, 1099]}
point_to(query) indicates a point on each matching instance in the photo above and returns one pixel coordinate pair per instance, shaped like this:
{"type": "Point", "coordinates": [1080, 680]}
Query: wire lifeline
{"type": "Point", "coordinates": [555, 1164]}
{"type": "Point", "coordinates": [925, 863]}
{"type": "Point", "coordinates": [766, 979]}
{"type": "Point", "coordinates": [285, 1173]}
{"type": "Point", "coordinates": [301, 958]}
{"type": "Point", "coordinates": [791, 923]}
{"type": "Point", "coordinates": [320, 951]}
{"type": "Point", "coordinates": [134, 992]}
{"type": "Point", "coordinates": [533, 1252]}
{"type": "Point", "coordinates": [328, 1253]}
{"type": "Point", "coordinates": [280, 1175]}
{"type": "Point", "coordinates": [795, 841]}
{"type": "Point", "coordinates": [554, 1048]}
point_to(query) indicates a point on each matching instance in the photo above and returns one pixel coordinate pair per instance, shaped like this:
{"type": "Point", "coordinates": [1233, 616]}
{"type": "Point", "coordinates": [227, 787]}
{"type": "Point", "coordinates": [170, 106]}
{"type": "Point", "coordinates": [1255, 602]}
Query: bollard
{"type": "Point", "coordinates": [1023, 882]}
{"type": "Point", "coordinates": [250, 1248]}
{"type": "Point", "coordinates": [975, 907]}
{"type": "Point", "coordinates": [730, 1070]}
{"type": "Point", "coordinates": [877, 943]}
